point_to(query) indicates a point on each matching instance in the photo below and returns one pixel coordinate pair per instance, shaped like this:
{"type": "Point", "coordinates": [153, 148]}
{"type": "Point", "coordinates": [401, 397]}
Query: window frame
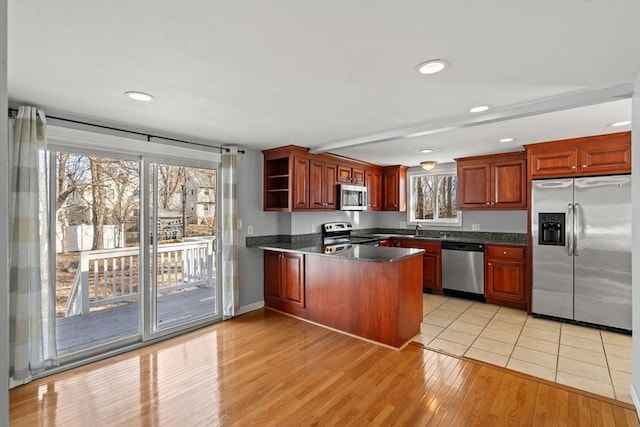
{"type": "Point", "coordinates": [446, 169]}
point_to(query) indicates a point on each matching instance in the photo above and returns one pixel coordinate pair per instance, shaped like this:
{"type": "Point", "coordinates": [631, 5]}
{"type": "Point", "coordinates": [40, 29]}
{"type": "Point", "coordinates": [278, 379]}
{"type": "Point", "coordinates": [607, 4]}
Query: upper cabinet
{"type": "Point", "coordinates": [594, 155]}
{"type": "Point", "coordinates": [295, 180]}
{"type": "Point", "coordinates": [493, 182]}
{"type": "Point", "coordinates": [286, 172]}
{"type": "Point", "coordinates": [394, 188]}
{"type": "Point", "coordinates": [373, 182]}
{"type": "Point", "coordinates": [348, 174]}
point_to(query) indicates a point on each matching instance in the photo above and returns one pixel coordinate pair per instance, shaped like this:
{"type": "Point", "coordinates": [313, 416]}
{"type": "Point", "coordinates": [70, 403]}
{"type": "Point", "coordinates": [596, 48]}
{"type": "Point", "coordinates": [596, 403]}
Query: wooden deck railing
{"type": "Point", "coordinates": [111, 276]}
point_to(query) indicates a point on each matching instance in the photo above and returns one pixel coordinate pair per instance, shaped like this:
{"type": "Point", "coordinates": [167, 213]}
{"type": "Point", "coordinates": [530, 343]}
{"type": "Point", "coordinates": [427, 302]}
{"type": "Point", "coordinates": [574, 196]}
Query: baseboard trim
{"type": "Point", "coordinates": [635, 398]}
{"type": "Point", "coordinates": [250, 307]}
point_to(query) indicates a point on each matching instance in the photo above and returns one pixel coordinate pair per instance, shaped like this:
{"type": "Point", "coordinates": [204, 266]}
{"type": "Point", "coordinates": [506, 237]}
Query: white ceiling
{"type": "Point", "coordinates": [263, 74]}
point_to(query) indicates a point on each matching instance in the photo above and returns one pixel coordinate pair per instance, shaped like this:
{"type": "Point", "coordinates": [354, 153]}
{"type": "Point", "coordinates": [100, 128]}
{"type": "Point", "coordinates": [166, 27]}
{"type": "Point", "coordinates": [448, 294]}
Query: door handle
{"type": "Point", "coordinates": [569, 230]}
{"type": "Point", "coordinates": [576, 230]}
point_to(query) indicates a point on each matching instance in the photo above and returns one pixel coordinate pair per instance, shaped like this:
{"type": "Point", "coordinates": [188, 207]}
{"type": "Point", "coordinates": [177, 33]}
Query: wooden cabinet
{"type": "Point", "coordinates": [300, 188]}
{"type": "Point", "coordinates": [295, 180]}
{"type": "Point", "coordinates": [394, 188]}
{"type": "Point", "coordinates": [373, 182]}
{"type": "Point", "coordinates": [349, 174]}
{"type": "Point", "coordinates": [493, 182]}
{"type": "Point", "coordinates": [504, 280]}
{"type": "Point", "coordinates": [286, 176]}
{"type": "Point", "coordinates": [322, 185]}
{"type": "Point", "coordinates": [284, 287]}
{"type": "Point", "coordinates": [594, 155]}
{"type": "Point", "coordinates": [431, 263]}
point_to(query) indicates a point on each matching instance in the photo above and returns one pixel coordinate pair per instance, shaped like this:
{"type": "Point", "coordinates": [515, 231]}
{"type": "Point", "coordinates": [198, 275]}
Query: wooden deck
{"type": "Point", "coordinates": [268, 369]}
{"type": "Point", "coordinates": [99, 327]}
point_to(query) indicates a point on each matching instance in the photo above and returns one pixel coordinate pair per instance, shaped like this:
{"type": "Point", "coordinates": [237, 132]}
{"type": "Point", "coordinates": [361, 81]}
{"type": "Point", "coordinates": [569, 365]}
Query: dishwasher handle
{"type": "Point", "coordinates": [463, 246]}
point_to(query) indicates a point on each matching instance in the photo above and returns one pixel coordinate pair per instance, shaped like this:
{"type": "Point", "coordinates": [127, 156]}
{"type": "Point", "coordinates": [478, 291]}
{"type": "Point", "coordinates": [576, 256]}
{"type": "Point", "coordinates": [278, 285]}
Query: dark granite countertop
{"type": "Point", "coordinates": [484, 237]}
{"type": "Point", "coordinates": [465, 237]}
{"type": "Point", "coordinates": [348, 251]}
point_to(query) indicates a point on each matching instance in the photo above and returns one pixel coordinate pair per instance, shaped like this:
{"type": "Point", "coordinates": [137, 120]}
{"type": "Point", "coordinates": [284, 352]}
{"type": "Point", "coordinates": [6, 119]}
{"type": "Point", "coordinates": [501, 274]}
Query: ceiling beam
{"type": "Point", "coordinates": [541, 106]}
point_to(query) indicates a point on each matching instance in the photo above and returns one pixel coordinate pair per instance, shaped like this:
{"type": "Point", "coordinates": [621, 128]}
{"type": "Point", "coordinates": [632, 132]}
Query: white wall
{"type": "Point", "coordinates": [4, 215]}
{"type": "Point", "coordinates": [635, 252]}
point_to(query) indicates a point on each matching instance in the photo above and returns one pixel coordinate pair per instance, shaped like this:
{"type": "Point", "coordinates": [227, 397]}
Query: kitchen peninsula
{"type": "Point", "coordinates": [371, 292]}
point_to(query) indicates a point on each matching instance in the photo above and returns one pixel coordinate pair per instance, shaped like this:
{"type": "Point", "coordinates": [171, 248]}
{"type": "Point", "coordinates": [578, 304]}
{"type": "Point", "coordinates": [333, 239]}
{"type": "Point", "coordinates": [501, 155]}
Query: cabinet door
{"type": "Point", "coordinates": [322, 185]}
{"type": "Point", "coordinates": [553, 162]}
{"type": "Point", "coordinates": [509, 185]}
{"type": "Point", "coordinates": [373, 182]}
{"type": "Point", "coordinates": [272, 285]}
{"type": "Point", "coordinates": [300, 183]}
{"type": "Point", "coordinates": [505, 280]}
{"type": "Point", "coordinates": [357, 176]}
{"type": "Point", "coordinates": [329, 190]}
{"type": "Point", "coordinates": [431, 264]}
{"type": "Point", "coordinates": [394, 188]}
{"type": "Point", "coordinates": [431, 271]}
{"type": "Point", "coordinates": [344, 174]}
{"type": "Point", "coordinates": [606, 156]}
{"type": "Point", "coordinates": [292, 276]}
{"type": "Point", "coordinates": [474, 186]}
{"type": "Point", "coordinates": [316, 185]}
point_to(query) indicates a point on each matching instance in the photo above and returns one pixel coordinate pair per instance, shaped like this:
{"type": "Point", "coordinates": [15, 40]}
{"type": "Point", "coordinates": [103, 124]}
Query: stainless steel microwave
{"type": "Point", "coordinates": [352, 197]}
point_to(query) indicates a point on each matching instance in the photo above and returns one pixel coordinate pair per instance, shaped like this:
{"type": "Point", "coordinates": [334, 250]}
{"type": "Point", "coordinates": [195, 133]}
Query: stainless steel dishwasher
{"type": "Point", "coordinates": [463, 269]}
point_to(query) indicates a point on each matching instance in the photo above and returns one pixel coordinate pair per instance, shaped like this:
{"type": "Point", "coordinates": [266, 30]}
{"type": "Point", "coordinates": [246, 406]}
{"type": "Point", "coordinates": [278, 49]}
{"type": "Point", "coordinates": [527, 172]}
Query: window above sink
{"type": "Point", "coordinates": [432, 197]}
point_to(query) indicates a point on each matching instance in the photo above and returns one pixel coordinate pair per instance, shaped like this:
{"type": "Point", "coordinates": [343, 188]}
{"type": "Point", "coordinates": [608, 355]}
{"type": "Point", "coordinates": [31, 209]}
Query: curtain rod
{"type": "Point", "coordinates": [13, 111]}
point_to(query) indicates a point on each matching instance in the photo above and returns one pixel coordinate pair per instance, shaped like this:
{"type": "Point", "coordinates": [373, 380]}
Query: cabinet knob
{"type": "Point", "coordinates": [504, 253]}
{"type": "Point", "coordinates": [584, 166]}
{"type": "Point", "coordinates": [488, 203]}
{"type": "Point", "coordinates": [573, 167]}
{"type": "Point", "coordinates": [489, 264]}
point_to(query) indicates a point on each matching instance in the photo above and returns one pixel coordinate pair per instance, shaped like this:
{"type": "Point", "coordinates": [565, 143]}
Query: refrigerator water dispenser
{"type": "Point", "coordinates": [551, 231]}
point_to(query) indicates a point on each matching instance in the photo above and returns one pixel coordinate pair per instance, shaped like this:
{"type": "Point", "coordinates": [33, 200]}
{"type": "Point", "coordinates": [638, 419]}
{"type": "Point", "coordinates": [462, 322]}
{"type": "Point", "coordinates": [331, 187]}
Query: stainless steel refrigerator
{"type": "Point", "coordinates": [581, 238]}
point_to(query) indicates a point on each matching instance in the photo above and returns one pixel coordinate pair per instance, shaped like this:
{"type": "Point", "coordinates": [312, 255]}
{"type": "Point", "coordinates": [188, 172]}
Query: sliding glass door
{"type": "Point", "coordinates": [95, 209]}
{"type": "Point", "coordinates": [121, 279]}
{"type": "Point", "coordinates": [182, 258]}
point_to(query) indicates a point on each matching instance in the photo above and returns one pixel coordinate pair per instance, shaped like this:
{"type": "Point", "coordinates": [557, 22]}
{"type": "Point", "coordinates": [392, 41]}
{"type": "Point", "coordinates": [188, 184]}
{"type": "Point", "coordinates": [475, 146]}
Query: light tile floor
{"type": "Point", "coordinates": [585, 358]}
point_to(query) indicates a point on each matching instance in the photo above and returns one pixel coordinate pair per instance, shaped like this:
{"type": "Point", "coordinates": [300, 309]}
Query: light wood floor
{"type": "Point", "coordinates": [265, 368]}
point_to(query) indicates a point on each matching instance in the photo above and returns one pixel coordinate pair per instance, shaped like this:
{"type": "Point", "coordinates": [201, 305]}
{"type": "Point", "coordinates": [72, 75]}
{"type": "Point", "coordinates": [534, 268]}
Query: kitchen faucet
{"type": "Point", "coordinates": [418, 226]}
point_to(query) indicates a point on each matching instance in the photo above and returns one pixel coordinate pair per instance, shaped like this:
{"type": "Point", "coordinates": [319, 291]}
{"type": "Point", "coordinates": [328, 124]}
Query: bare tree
{"type": "Point", "coordinates": [72, 179]}
{"type": "Point", "coordinates": [98, 208]}
{"type": "Point", "coordinates": [123, 178]}
{"type": "Point", "coordinates": [170, 180]}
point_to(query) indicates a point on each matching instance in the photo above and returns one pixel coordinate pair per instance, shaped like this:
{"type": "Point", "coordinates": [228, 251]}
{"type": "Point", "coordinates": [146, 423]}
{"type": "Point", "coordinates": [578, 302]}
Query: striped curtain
{"type": "Point", "coordinates": [32, 299]}
{"type": "Point", "coordinates": [229, 234]}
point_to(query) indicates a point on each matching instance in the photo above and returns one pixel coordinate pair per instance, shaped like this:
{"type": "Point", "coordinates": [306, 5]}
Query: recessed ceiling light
{"type": "Point", "coordinates": [507, 139]}
{"type": "Point", "coordinates": [427, 150]}
{"type": "Point", "coordinates": [432, 67]}
{"type": "Point", "coordinates": [139, 96]}
{"type": "Point", "coordinates": [479, 109]}
{"type": "Point", "coordinates": [623, 123]}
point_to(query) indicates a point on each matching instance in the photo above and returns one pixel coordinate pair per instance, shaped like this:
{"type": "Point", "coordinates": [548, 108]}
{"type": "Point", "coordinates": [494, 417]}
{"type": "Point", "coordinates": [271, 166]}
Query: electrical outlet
{"type": "Point", "coordinates": [475, 227]}
{"type": "Point", "coordinates": [239, 223]}
{"type": "Point", "coordinates": [250, 230]}
{"type": "Point", "coordinates": [313, 228]}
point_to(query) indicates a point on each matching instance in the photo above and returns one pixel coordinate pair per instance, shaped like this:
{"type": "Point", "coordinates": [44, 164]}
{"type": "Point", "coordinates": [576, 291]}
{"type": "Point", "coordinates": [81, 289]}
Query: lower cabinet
{"type": "Point", "coordinates": [431, 263]}
{"type": "Point", "coordinates": [284, 286]}
{"type": "Point", "coordinates": [505, 271]}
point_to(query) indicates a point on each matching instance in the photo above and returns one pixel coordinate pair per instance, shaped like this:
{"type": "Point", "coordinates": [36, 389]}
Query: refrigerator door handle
{"type": "Point", "coordinates": [576, 229]}
{"type": "Point", "coordinates": [569, 230]}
